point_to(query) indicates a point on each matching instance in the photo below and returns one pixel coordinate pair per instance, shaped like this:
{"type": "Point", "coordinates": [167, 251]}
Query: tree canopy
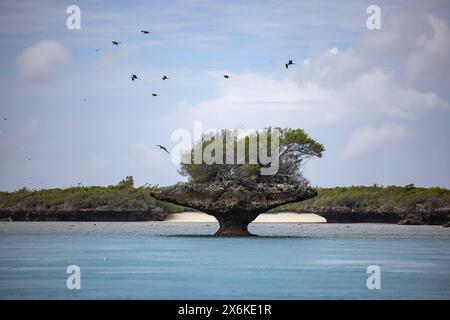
{"type": "Point", "coordinates": [249, 154]}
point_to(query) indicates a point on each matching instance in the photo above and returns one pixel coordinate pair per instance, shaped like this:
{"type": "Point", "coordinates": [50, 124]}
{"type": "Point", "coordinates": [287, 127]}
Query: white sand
{"type": "Point", "coordinates": [284, 217]}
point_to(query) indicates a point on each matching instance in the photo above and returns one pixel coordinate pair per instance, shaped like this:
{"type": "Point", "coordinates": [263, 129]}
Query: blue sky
{"type": "Point", "coordinates": [378, 100]}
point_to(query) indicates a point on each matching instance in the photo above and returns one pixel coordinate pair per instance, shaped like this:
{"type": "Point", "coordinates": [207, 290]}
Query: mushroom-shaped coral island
{"type": "Point", "coordinates": [234, 204]}
{"type": "Point", "coordinates": [235, 192]}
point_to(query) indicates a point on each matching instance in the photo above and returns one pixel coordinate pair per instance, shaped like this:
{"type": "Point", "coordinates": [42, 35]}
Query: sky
{"type": "Point", "coordinates": [379, 100]}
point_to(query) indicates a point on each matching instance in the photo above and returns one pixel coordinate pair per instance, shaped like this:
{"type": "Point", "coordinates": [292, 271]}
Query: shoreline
{"type": "Point", "coordinates": [89, 215]}
{"type": "Point", "coordinates": [282, 217]}
{"type": "Point", "coordinates": [25, 230]}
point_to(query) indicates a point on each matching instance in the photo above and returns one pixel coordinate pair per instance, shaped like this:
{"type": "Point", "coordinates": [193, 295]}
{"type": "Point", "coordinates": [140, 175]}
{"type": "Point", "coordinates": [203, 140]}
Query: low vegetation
{"type": "Point", "coordinates": [375, 199]}
{"type": "Point", "coordinates": [121, 197]}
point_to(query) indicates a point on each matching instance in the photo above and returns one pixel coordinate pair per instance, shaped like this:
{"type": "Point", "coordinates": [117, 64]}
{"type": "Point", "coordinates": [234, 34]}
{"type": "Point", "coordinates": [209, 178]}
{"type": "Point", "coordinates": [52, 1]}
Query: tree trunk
{"type": "Point", "coordinates": [235, 225]}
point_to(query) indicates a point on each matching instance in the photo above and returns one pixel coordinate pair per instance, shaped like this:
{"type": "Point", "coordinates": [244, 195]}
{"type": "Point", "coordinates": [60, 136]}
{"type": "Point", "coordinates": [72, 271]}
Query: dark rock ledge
{"type": "Point", "coordinates": [234, 204]}
{"type": "Point", "coordinates": [153, 214]}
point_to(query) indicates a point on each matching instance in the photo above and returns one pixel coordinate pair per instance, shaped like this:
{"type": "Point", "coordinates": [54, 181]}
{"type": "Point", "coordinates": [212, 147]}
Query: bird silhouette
{"type": "Point", "coordinates": [116, 43]}
{"type": "Point", "coordinates": [162, 148]}
{"type": "Point", "coordinates": [155, 95]}
{"type": "Point", "coordinates": [96, 50]}
{"type": "Point", "coordinates": [134, 77]}
{"type": "Point", "coordinates": [145, 31]}
{"type": "Point", "coordinates": [289, 63]}
{"type": "Point", "coordinates": [164, 77]}
{"type": "Point", "coordinates": [226, 76]}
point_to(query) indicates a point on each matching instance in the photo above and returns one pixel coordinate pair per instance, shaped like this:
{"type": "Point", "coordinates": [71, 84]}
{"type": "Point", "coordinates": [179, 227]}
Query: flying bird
{"type": "Point", "coordinates": [164, 78]}
{"type": "Point", "coordinates": [134, 77]}
{"type": "Point", "coordinates": [289, 63]}
{"type": "Point", "coordinates": [226, 76]}
{"type": "Point", "coordinates": [116, 43]}
{"type": "Point", "coordinates": [155, 95]}
{"type": "Point", "coordinates": [145, 31]}
{"type": "Point", "coordinates": [162, 148]}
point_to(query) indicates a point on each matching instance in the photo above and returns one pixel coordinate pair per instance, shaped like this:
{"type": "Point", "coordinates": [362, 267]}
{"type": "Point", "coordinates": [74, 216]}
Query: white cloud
{"type": "Point", "coordinates": [42, 60]}
{"type": "Point", "coordinates": [351, 89]}
{"type": "Point", "coordinates": [259, 100]}
{"type": "Point", "coordinates": [367, 138]}
{"type": "Point", "coordinates": [333, 51]}
{"type": "Point", "coordinates": [416, 45]}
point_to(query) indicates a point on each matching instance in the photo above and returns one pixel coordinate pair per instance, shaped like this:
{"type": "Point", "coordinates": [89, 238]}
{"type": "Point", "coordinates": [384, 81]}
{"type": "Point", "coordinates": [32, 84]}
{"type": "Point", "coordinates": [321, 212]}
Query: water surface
{"type": "Point", "coordinates": [157, 260]}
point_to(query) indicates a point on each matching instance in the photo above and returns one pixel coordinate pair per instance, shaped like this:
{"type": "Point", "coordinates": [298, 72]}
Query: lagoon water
{"type": "Point", "coordinates": [160, 260]}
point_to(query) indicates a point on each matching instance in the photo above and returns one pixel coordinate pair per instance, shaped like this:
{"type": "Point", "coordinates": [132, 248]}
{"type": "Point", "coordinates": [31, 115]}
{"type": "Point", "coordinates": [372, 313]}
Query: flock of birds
{"type": "Point", "coordinates": [134, 77]}
{"type": "Point", "coordinates": [164, 78]}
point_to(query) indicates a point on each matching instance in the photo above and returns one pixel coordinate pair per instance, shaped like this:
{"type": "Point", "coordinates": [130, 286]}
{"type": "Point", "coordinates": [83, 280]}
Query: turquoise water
{"type": "Point", "coordinates": [158, 261]}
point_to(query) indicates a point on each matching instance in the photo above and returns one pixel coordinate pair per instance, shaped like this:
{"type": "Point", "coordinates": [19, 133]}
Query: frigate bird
{"type": "Point", "coordinates": [116, 43]}
{"type": "Point", "coordinates": [134, 77]}
{"type": "Point", "coordinates": [226, 76]}
{"type": "Point", "coordinates": [289, 63]}
{"type": "Point", "coordinates": [164, 77]}
{"type": "Point", "coordinates": [162, 148]}
{"type": "Point", "coordinates": [145, 31]}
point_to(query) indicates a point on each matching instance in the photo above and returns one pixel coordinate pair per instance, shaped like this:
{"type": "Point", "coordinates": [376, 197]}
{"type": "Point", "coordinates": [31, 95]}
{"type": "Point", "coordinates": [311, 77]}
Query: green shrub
{"type": "Point", "coordinates": [376, 198]}
{"type": "Point", "coordinates": [121, 197]}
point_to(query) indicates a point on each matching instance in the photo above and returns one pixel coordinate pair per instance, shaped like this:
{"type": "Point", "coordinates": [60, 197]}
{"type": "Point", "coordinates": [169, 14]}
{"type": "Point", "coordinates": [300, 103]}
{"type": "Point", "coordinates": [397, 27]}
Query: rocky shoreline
{"type": "Point", "coordinates": [440, 216]}
{"type": "Point", "coordinates": [156, 214]}
{"type": "Point", "coordinates": [420, 216]}
{"type": "Point", "coordinates": [332, 215]}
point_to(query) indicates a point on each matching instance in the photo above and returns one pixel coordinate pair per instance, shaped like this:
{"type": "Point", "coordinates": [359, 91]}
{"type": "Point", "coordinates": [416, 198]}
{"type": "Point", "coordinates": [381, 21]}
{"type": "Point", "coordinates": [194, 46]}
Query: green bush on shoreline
{"type": "Point", "coordinates": [118, 198]}
{"type": "Point", "coordinates": [375, 198]}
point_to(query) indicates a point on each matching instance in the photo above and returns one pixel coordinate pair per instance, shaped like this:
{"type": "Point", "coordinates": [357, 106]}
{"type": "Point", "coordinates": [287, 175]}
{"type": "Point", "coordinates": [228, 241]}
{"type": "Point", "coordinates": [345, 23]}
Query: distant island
{"type": "Point", "coordinates": [125, 202]}
{"type": "Point", "coordinates": [392, 204]}
{"type": "Point", "coordinates": [121, 202]}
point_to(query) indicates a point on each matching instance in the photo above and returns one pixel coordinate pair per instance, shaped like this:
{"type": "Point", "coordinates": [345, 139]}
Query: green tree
{"type": "Point", "coordinates": [294, 148]}
{"type": "Point", "coordinates": [128, 182]}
